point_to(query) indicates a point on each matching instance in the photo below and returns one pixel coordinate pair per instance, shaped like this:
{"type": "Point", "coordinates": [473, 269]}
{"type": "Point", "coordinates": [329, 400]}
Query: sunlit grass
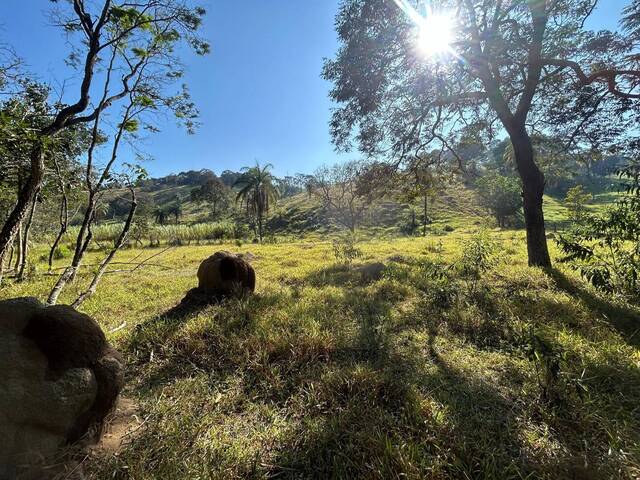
{"type": "Point", "coordinates": [323, 374]}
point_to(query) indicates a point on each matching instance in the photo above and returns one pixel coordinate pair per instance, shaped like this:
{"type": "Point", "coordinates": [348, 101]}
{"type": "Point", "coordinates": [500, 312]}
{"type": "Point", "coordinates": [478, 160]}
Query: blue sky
{"type": "Point", "coordinates": [260, 93]}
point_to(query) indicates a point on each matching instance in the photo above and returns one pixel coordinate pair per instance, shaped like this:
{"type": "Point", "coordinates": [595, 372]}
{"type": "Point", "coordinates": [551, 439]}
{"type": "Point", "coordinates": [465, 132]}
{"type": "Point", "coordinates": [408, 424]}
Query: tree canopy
{"type": "Point", "coordinates": [512, 67]}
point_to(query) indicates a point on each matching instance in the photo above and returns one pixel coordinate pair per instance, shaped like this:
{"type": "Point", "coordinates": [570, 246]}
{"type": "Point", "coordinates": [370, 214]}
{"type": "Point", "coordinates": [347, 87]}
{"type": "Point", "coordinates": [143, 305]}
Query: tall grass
{"type": "Point", "coordinates": [156, 234]}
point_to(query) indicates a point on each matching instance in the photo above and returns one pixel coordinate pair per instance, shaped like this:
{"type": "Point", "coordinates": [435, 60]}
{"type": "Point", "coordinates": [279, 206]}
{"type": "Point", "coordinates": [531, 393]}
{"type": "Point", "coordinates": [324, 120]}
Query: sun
{"type": "Point", "coordinates": [435, 34]}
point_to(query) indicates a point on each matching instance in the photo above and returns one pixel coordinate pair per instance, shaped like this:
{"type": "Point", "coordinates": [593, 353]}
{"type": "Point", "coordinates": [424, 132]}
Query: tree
{"type": "Point", "coordinates": [289, 186]}
{"type": "Point", "coordinates": [160, 215]}
{"type": "Point", "coordinates": [257, 191]}
{"type": "Point", "coordinates": [112, 44]}
{"type": "Point", "coordinates": [501, 195]}
{"type": "Point", "coordinates": [346, 192]}
{"type": "Point", "coordinates": [510, 66]}
{"type": "Point", "coordinates": [215, 193]}
{"type": "Point", "coordinates": [22, 114]}
{"type": "Point", "coordinates": [175, 210]}
{"type": "Point", "coordinates": [141, 41]}
{"type": "Point", "coordinates": [558, 166]}
{"type": "Point", "coordinates": [422, 179]}
{"type": "Point", "coordinates": [576, 201]}
{"type": "Point", "coordinates": [131, 179]}
{"type": "Point", "coordinates": [229, 178]}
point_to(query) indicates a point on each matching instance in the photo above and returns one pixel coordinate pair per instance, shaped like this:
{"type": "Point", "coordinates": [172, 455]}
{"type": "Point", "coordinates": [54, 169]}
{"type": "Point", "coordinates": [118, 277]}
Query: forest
{"type": "Point", "coordinates": [458, 298]}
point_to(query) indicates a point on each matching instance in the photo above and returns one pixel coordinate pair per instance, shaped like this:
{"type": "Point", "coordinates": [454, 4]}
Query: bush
{"type": "Point", "coordinates": [576, 201]}
{"type": "Point", "coordinates": [605, 249]}
{"type": "Point", "coordinates": [501, 195]}
{"type": "Point", "coordinates": [478, 255]}
{"type": "Point", "coordinates": [346, 249]}
{"type": "Point", "coordinates": [61, 252]}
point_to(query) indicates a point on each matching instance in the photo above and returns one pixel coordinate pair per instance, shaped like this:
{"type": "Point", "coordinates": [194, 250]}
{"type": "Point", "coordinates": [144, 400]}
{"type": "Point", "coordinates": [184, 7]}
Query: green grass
{"type": "Point", "coordinates": [417, 375]}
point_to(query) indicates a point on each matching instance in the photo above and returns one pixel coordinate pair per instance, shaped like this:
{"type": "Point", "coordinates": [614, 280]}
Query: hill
{"type": "Point", "coordinates": [301, 213]}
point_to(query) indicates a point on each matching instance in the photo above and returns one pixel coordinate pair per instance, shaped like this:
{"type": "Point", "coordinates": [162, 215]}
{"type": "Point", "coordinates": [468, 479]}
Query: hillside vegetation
{"type": "Point", "coordinates": [302, 214]}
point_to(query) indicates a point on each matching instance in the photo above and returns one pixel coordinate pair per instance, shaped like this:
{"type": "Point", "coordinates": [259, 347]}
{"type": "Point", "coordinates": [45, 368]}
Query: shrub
{"type": "Point", "coordinates": [605, 249]}
{"type": "Point", "coordinates": [61, 252]}
{"type": "Point", "coordinates": [478, 255]}
{"type": "Point", "coordinates": [576, 201]}
{"type": "Point", "coordinates": [346, 249]}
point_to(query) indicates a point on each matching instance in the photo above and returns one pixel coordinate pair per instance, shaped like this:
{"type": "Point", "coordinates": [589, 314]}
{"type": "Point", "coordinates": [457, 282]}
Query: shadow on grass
{"type": "Point", "coordinates": [336, 275]}
{"type": "Point", "coordinates": [624, 320]}
{"type": "Point", "coordinates": [167, 354]}
{"type": "Point", "coordinates": [372, 398]}
{"type": "Point", "coordinates": [402, 417]}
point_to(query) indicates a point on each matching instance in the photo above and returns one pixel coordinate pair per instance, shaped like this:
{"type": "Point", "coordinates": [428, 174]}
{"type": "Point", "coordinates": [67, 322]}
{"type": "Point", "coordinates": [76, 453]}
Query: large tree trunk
{"type": "Point", "coordinates": [25, 198]}
{"type": "Point", "coordinates": [532, 191]}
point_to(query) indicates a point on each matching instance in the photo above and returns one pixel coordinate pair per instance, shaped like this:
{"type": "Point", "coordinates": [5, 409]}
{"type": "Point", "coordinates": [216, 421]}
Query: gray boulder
{"type": "Point", "coordinates": [59, 379]}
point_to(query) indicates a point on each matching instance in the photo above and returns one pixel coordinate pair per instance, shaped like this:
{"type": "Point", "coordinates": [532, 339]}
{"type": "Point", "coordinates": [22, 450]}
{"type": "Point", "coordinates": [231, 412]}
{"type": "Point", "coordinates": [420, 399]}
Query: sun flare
{"type": "Point", "coordinates": [435, 34]}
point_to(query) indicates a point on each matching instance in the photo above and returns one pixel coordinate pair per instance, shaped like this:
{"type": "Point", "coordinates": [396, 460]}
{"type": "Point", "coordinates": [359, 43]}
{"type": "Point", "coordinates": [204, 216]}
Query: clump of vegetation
{"type": "Point", "coordinates": [502, 195]}
{"type": "Point", "coordinates": [345, 249]}
{"type": "Point", "coordinates": [576, 202]}
{"type": "Point", "coordinates": [605, 249]}
{"type": "Point", "coordinates": [478, 255]}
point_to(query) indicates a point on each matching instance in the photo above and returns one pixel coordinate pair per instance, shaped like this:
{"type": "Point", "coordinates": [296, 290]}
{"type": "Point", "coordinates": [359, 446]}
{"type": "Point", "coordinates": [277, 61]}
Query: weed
{"type": "Point", "coordinates": [346, 250]}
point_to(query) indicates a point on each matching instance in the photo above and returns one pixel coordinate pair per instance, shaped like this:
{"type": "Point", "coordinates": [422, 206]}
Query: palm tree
{"type": "Point", "coordinates": [160, 215]}
{"type": "Point", "coordinates": [175, 210]}
{"type": "Point", "coordinates": [258, 192]}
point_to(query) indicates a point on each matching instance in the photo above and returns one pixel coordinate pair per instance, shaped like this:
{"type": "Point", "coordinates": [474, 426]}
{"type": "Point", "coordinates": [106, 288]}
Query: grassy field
{"type": "Point", "coordinates": [430, 371]}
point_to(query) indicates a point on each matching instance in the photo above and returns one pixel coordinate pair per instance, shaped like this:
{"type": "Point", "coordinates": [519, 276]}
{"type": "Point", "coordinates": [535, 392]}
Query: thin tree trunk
{"type": "Point", "coordinates": [25, 240]}
{"type": "Point", "coordinates": [64, 212]}
{"type": "Point", "coordinates": [105, 263]}
{"type": "Point", "coordinates": [533, 184]}
{"type": "Point", "coordinates": [85, 235]}
{"type": "Point", "coordinates": [2, 262]}
{"type": "Point", "coordinates": [18, 261]}
{"type": "Point", "coordinates": [64, 224]}
{"type": "Point", "coordinates": [82, 243]}
{"type": "Point", "coordinates": [12, 252]}
{"type": "Point", "coordinates": [425, 218]}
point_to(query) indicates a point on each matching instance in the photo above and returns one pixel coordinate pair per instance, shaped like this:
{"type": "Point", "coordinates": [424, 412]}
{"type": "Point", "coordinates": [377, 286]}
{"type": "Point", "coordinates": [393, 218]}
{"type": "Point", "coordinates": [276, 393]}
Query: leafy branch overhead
{"type": "Point", "coordinates": [524, 68]}
{"type": "Point", "coordinates": [127, 52]}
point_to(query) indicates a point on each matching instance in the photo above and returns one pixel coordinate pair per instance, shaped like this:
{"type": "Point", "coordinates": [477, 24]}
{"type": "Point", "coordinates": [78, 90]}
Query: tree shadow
{"type": "Point", "coordinates": [336, 275]}
{"type": "Point", "coordinates": [156, 345]}
{"type": "Point", "coordinates": [625, 320]}
{"type": "Point", "coordinates": [378, 420]}
{"type": "Point", "coordinates": [369, 404]}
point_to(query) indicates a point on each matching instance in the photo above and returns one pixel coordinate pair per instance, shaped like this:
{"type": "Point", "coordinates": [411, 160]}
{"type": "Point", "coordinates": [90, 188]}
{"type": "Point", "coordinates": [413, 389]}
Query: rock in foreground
{"type": "Point", "coordinates": [59, 379]}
